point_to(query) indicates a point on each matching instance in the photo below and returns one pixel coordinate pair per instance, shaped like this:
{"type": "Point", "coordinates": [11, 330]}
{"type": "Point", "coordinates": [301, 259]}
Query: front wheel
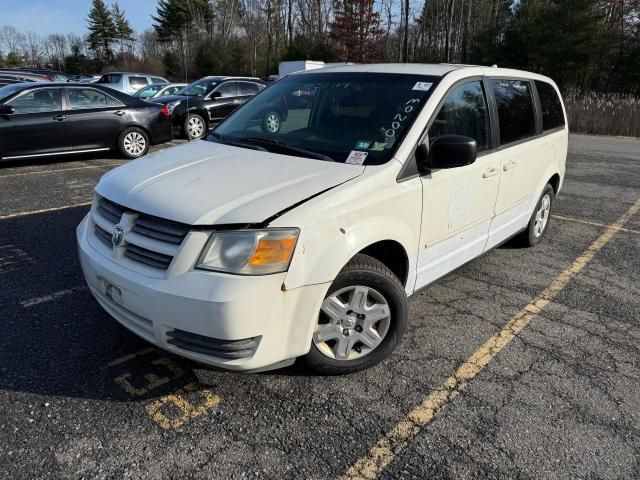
{"type": "Point", "coordinates": [361, 320]}
{"type": "Point", "coordinates": [195, 126]}
{"type": "Point", "coordinates": [133, 142]}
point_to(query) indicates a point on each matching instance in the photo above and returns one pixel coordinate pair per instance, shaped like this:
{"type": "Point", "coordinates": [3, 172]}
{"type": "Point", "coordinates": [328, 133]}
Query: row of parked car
{"type": "Point", "coordinates": [41, 115]}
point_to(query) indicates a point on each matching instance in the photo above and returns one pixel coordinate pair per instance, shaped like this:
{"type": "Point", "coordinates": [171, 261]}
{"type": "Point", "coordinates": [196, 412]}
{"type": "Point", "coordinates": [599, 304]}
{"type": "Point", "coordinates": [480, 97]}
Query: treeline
{"type": "Point", "coordinates": [588, 45]}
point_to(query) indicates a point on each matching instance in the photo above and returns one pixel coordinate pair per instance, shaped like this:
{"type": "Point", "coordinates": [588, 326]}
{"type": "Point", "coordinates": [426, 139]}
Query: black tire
{"type": "Point", "coordinates": [363, 270]}
{"type": "Point", "coordinates": [188, 132]}
{"type": "Point", "coordinates": [271, 122]}
{"type": "Point", "coordinates": [532, 236]}
{"type": "Point", "coordinates": [133, 142]}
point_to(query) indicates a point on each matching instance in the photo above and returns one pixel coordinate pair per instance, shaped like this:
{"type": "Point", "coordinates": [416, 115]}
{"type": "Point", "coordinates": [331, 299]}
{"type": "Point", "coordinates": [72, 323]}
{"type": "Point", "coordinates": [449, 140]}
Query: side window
{"type": "Point", "coordinates": [552, 115]}
{"type": "Point", "coordinates": [83, 98]}
{"type": "Point", "coordinates": [112, 78]}
{"type": "Point", "coordinates": [138, 82]}
{"type": "Point", "coordinates": [464, 112]}
{"type": "Point", "coordinates": [515, 109]}
{"type": "Point", "coordinates": [227, 89]}
{"type": "Point", "coordinates": [247, 88]}
{"type": "Point", "coordinates": [158, 80]}
{"type": "Point", "coordinates": [38, 101]}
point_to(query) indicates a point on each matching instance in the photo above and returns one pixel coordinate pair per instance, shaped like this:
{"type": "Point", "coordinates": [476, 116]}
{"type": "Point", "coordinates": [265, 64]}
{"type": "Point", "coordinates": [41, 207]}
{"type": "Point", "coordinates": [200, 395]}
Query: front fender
{"type": "Point", "coordinates": [350, 218]}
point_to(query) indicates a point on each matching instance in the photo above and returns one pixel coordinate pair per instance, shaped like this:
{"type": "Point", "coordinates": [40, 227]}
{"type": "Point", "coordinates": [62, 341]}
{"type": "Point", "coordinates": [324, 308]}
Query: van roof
{"type": "Point", "coordinates": [435, 69]}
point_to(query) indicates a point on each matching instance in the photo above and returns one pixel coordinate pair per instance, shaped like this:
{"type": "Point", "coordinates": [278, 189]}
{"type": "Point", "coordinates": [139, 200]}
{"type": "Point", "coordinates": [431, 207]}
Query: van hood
{"type": "Point", "coordinates": [206, 183]}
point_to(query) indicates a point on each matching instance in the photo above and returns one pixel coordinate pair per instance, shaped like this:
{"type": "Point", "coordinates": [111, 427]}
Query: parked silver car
{"type": "Point", "coordinates": [156, 90]}
{"type": "Point", "coordinates": [129, 82]}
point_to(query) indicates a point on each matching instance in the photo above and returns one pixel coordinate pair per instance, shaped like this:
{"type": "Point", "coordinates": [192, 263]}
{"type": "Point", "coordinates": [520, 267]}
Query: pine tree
{"type": "Point", "coordinates": [123, 30]}
{"type": "Point", "coordinates": [102, 31]}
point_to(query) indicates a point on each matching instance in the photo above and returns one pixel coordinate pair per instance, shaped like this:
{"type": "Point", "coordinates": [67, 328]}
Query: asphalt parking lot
{"type": "Point", "coordinates": [525, 363]}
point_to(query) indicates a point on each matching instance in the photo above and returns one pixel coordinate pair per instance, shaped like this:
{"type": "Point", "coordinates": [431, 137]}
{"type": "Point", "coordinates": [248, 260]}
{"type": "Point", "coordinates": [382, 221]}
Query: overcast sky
{"type": "Point", "coordinates": [68, 16]}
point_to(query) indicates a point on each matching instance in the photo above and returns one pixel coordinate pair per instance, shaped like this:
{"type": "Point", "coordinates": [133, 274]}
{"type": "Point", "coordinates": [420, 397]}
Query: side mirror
{"type": "Point", "coordinates": [6, 110]}
{"type": "Point", "coordinates": [215, 95]}
{"type": "Point", "coordinates": [447, 151]}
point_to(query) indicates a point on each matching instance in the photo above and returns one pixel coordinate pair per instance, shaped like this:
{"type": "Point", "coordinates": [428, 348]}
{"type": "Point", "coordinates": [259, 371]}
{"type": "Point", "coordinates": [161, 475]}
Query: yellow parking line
{"type": "Point", "coordinates": [130, 356]}
{"type": "Point", "coordinates": [60, 170]}
{"type": "Point", "coordinates": [44, 210]}
{"type": "Point", "coordinates": [396, 439]}
{"type": "Point", "coordinates": [593, 224]}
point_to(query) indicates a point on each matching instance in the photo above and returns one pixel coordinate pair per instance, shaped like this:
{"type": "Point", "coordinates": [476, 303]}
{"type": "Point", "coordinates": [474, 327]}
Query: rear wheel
{"type": "Point", "coordinates": [194, 126]}
{"type": "Point", "coordinates": [361, 319]}
{"type": "Point", "coordinates": [539, 221]}
{"type": "Point", "coordinates": [133, 142]}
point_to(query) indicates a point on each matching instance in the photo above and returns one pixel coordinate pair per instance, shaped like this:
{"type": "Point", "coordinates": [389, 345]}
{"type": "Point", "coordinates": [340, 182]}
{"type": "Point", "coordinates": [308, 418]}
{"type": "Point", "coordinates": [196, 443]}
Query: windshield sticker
{"type": "Point", "coordinates": [356, 157]}
{"type": "Point", "coordinates": [378, 146]}
{"type": "Point", "coordinates": [362, 145]}
{"type": "Point", "coordinates": [422, 86]}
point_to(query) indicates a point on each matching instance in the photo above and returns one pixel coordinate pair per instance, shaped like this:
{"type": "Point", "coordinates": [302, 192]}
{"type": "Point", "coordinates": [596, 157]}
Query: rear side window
{"type": "Point", "coordinates": [515, 109]}
{"type": "Point", "coordinates": [111, 78]}
{"type": "Point", "coordinates": [227, 89]}
{"type": "Point", "coordinates": [552, 116]}
{"type": "Point", "coordinates": [83, 98]}
{"type": "Point", "coordinates": [138, 82]}
{"type": "Point", "coordinates": [247, 88]}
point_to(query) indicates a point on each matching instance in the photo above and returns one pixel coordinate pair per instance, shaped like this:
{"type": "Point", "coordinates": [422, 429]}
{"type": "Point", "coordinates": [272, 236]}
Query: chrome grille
{"type": "Point", "coordinates": [103, 236]}
{"type": "Point", "coordinates": [152, 241]}
{"type": "Point", "coordinates": [109, 210]}
{"type": "Point", "coordinates": [160, 229]}
{"type": "Point", "coordinates": [142, 255]}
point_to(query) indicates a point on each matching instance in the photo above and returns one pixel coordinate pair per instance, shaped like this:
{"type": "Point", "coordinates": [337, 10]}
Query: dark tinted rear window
{"type": "Point", "coordinates": [515, 109]}
{"type": "Point", "coordinates": [110, 78]}
{"type": "Point", "coordinates": [552, 116]}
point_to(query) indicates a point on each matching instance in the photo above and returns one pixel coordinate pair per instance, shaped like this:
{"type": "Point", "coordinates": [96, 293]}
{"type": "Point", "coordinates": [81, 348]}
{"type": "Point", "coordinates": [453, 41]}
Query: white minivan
{"type": "Point", "coordinates": [299, 229]}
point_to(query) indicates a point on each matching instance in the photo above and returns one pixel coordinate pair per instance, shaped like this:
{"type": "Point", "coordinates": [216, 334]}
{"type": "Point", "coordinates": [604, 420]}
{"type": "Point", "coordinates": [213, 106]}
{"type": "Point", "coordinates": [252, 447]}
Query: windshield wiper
{"type": "Point", "coordinates": [284, 146]}
{"type": "Point", "coordinates": [233, 143]}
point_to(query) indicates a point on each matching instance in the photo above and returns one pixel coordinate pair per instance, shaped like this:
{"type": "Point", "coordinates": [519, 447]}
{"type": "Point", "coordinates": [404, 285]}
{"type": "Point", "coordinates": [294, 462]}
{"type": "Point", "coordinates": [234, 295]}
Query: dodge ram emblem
{"type": "Point", "coordinates": [117, 237]}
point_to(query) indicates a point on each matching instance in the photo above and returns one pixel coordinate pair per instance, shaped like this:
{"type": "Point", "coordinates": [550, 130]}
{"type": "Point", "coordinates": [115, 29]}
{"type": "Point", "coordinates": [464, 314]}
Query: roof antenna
{"type": "Point", "coordinates": [494, 65]}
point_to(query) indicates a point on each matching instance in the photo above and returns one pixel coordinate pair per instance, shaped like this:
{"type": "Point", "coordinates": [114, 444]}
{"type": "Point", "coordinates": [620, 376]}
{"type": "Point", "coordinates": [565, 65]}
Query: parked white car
{"type": "Point", "coordinates": [260, 245]}
{"type": "Point", "coordinates": [129, 83]}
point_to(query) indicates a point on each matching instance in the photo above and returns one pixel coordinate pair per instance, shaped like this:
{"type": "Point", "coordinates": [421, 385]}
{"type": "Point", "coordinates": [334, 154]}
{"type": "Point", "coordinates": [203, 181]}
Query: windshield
{"type": "Point", "coordinates": [198, 88]}
{"type": "Point", "coordinates": [357, 118]}
{"type": "Point", "coordinates": [10, 90]}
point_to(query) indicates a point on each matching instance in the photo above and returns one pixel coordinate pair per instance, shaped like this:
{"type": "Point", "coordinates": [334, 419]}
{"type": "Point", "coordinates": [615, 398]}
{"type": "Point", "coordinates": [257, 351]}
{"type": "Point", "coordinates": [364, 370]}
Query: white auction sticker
{"type": "Point", "coordinates": [356, 157]}
{"type": "Point", "coordinates": [422, 86]}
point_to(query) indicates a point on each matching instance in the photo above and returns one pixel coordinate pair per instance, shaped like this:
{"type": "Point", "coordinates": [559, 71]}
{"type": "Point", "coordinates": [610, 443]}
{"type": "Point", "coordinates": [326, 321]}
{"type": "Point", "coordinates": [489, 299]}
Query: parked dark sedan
{"type": "Point", "coordinates": [39, 119]}
{"type": "Point", "coordinates": [206, 102]}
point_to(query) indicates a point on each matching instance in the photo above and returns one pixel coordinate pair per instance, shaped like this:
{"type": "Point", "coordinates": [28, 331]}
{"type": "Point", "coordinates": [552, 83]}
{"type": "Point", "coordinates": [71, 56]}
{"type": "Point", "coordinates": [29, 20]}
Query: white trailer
{"type": "Point", "coordinates": [285, 68]}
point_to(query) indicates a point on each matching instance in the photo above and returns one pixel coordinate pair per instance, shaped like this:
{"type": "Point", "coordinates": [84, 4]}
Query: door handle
{"type": "Point", "coordinates": [119, 112]}
{"type": "Point", "coordinates": [237, 101]}
{"type": "Point", "coordinates": [510, 165]}
{"type": "Point", "coordinates": [60, 118]}
{"type": "Point", "coordinates": [490, 172]}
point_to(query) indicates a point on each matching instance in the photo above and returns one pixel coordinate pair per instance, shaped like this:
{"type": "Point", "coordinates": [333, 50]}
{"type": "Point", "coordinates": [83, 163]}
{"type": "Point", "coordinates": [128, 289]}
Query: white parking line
{"type": "Point", "coordinates": [52, 296]}
{"type": "Point", "coordinates": [44, 210]}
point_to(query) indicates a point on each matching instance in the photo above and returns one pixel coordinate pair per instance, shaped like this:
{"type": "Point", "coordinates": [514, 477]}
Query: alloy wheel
{"type": "Point", "coordinates": [195, 127]}
{"type": "Point", "coordinates": [134, 144]}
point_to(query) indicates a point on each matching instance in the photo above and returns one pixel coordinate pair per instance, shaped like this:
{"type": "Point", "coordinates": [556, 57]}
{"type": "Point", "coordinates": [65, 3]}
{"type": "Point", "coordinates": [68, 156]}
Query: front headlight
{"type": "Point", "coordinates": [249, 252]}
{"type": "Point", "coordinates": [172, 105]}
